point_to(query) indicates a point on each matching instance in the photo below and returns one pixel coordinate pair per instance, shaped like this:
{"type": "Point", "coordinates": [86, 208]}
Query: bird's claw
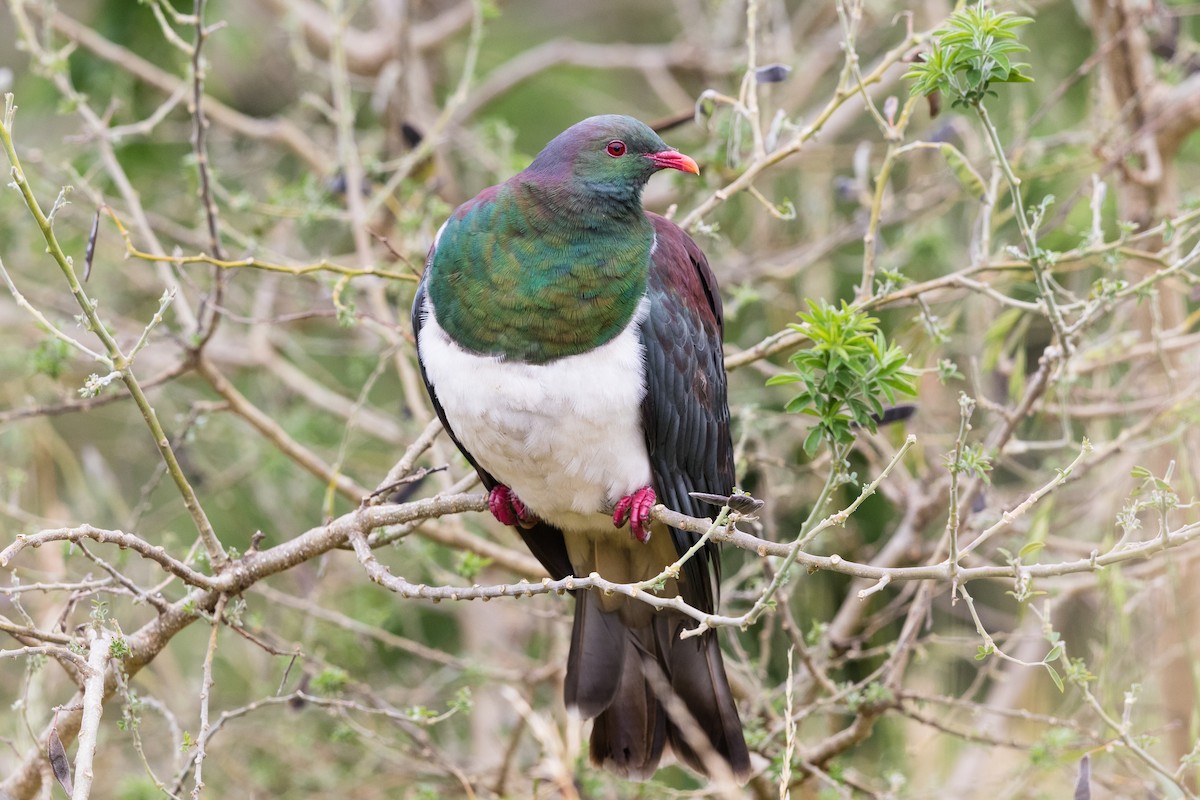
{"type": "Point", "coordinates": [635, 509]}
{"type": "Point", "coordinates": [508, 509]}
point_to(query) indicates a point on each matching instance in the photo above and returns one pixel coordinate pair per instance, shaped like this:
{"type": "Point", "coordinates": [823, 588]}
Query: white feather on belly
{"type": "Point", "coordinates": [566, 436]}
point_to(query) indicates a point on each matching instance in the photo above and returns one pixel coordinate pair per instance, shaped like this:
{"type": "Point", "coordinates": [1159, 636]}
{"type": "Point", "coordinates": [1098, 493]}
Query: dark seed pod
{"type": "Point", "coordinates": [772, 73]}
{"type": "Point", "coordinates": [58, 761]}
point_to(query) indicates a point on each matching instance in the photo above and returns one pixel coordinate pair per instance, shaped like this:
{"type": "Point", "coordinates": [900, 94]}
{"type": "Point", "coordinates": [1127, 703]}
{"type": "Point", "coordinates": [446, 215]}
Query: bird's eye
{"type": "Point", "coordinates": [616, 148]}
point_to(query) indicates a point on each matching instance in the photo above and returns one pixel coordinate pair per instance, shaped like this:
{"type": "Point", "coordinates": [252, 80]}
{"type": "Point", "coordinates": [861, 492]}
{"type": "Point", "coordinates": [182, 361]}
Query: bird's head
{"type": "Point", "coordinates": [609, 155]}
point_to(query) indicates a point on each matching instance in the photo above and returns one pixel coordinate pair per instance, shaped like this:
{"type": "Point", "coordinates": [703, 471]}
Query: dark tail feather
{"type": "Point", "coordinates": [697, 674]}
{"type": "Point", "coordinates": [628, 736]}
{"type": "Point", "coordinates": [607, 679]}
{"type": "Point", "coordinates": [597, 658]}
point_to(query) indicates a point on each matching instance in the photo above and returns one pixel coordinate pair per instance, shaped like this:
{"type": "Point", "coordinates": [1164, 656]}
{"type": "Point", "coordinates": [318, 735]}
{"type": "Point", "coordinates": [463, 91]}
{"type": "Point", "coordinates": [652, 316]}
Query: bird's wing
{"type": "Point", "coordinates": [685, 413]}
{"type": "Point", "coordinates": [544, 541]}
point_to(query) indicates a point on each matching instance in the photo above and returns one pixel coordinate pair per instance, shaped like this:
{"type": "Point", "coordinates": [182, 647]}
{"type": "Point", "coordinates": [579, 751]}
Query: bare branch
{"type": "Point", "coordinates": [93, 706]}
{"type": "Point", "coordinates": [124, 540]}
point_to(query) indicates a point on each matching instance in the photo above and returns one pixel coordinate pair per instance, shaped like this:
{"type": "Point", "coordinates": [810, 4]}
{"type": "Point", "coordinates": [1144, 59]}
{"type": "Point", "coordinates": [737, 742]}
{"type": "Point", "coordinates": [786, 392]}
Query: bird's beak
{"type": "Point", "coordinates": [673, 159]}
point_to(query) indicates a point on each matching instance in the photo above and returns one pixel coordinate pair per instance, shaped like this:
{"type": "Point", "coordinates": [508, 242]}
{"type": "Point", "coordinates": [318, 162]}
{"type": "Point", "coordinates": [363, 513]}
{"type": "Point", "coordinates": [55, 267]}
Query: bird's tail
{"type": "Point", "coordinates": [647, 688]}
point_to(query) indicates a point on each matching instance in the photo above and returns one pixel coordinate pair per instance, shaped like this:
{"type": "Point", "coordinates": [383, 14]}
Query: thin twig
{"type": "Point", "coordinates": [206, 685]}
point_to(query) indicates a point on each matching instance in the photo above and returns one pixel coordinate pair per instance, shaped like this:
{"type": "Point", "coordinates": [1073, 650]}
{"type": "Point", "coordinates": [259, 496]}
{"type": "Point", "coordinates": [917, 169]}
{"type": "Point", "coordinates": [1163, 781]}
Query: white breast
{"type": "Point", "coordinates": [566, 436]}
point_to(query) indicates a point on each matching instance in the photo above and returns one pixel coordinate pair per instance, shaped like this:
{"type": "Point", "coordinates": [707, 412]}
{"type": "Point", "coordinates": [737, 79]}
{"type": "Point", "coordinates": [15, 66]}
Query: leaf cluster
{"type": "Point", "coordinates": [846, 375]}
{"type": "Point", "coordinates": [973, 460]}
{"type": "Point", "coordinates": [969, 54]}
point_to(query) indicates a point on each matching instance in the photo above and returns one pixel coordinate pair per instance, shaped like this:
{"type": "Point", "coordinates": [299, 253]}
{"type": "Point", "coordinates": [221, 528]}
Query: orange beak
{"type": "Point", "coordinates": [673, 159]}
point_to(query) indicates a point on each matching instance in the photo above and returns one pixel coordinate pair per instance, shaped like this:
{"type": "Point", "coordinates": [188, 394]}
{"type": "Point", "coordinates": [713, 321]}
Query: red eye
{"type": "Point", "coordinates": [616, 148]}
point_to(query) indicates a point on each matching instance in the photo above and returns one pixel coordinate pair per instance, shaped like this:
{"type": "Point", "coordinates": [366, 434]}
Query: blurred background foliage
{"type": "Point", "coordinates": [403, 698]}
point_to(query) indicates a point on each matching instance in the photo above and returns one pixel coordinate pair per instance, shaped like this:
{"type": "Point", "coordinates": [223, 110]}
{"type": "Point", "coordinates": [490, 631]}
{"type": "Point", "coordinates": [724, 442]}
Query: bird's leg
{"type": "Point", "coordinates": [508, 509]}
{"type": "Point", "coordinates": [635, 508]}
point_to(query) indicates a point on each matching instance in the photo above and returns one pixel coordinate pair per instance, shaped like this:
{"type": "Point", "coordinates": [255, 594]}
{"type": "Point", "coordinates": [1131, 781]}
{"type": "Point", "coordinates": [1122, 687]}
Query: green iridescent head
{"type": "Point", "coordinates": [609, 156]}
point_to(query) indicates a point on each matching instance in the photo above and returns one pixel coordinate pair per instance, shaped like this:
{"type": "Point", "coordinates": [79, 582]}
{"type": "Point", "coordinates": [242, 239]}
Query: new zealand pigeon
{"type": "Point", "coordinates": [571, 344]}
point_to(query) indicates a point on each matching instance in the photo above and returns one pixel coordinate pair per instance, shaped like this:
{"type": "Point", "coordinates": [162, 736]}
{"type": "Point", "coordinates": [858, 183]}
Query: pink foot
{"type": "Point", "coordinates": [507, 509]}
{"type": "Point", "coordinates": [635, 508]}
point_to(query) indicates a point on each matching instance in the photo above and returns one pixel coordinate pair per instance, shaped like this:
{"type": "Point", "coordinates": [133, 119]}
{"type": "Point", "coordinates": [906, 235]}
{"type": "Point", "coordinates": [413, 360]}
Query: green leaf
{"type": "Point", "coordinates": [966, 175]}
{"type": "Point", "coordinates": [1029, 549]}
{"type": "Point", "coordinates": [1017, 77]}
{"type": "Point", "coordinates": [1054, 676]}
{"type": "Point", "coordinates": [1016, 379]}
{"type": "Point", "coordinates": [471, 564]}
{"type": "Point", "coordinates": [331, 680]}
{"type": "Point", "coordinates": [797, 403]}
{"type": "Point", "coordinates": [812, 441]}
